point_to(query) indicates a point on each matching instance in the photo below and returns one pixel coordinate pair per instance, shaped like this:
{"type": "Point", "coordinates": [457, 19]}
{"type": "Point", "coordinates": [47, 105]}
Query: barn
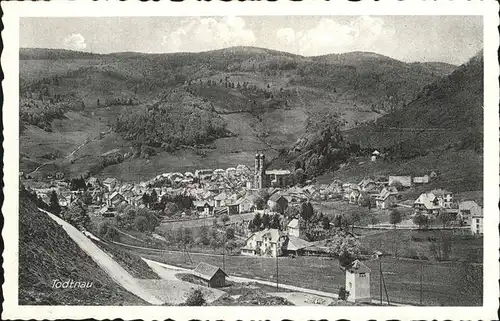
{"type": "Point", "coordinates": [210, 275]}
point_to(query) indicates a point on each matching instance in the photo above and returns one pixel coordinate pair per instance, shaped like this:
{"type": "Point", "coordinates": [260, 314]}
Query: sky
{"type": "Point", "coordinates": [451, 39]}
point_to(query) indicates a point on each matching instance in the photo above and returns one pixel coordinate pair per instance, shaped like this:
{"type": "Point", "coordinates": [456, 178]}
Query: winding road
{"type": "Point", "coordinates": [111, 267]}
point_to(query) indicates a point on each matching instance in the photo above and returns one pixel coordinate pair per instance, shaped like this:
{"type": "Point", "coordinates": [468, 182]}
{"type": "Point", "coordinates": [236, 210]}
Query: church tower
{"type": "Point", "coordinates": [260, 160]}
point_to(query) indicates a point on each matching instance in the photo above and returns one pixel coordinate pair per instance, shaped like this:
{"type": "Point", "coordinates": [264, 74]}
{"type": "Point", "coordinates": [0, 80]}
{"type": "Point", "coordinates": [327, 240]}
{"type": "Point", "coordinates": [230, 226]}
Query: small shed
{"type": "Point", "coordinates": [210, 276]}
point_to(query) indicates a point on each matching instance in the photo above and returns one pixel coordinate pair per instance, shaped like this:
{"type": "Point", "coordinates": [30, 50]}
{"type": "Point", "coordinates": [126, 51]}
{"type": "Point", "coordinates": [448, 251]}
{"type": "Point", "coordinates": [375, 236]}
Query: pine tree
{"type": "Point", "coordinates": [54, 207]}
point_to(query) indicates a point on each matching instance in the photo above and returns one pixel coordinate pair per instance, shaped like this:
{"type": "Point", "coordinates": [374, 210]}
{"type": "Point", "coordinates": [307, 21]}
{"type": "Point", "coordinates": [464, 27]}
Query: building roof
{"type": "Point", "coordinates": [293, 223]}
{"type": "Point", "coordinates": [467, 205]}
{"type": "Point", "coordinates": [275, 197]}
{"type": "Point", "coordinates": [206, 271]}
{"type": "Point", "coordinates": [222, 196]}
{"type": "Point", "coordinates": [358, 267]}
{"type": "Point", "coordinates": [278, 172]}
{"type": "Point", "coordinates": [109, 180]}
{"type": "Point", "coordinates": [294, 243]}
{"type": "Point", "coordinates": [114, 195]}
{"type": "Point", "coordinates": [202, 203]}
{"type": "Point", "coordinates": [273, 234]}
{"type": "Point", "coordinates": [427, 200]}
{"type": "Point", "coordinates": [385, 193]}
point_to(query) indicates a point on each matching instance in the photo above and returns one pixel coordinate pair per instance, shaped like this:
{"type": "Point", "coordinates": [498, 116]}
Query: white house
{"type": "Point", "coordinates": [476, 226]}
{"type": "Point", "coordinates": [386, 198]}
{"type": "Point", "coordinates": [293, 228]}
{"type": "Point", "coordinates": [427, 203]}
{"type": "Point", "coordinates": [444, 197]}
{"type": "Point", "coordinates": [269, 242]}
{"type": "Point", "coordinates": [357, 282]}
{"type": "Point", "coordinates": [467, 210]}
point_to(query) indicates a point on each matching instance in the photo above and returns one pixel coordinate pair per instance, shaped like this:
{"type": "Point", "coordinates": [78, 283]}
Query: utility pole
{"type": "Point", "coordinates": [380, 279]}
{"type": "Point", "coordinates": [224, 252]}
{"type": "Point", "coordinates": [421, 279]}
{"type": "Point", "coordinates": [277, 275]}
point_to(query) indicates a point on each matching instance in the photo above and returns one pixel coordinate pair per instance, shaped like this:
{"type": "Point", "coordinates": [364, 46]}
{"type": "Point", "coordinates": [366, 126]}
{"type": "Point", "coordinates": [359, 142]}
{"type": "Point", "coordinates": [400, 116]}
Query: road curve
{"type": "Point", "coordinates": [113, 269]}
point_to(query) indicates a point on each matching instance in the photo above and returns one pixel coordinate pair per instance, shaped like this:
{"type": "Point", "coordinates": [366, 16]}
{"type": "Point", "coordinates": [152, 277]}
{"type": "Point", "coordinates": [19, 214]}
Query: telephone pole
{"type": "Point", "coordinates": [421, 279]}
{"type": "Point", "coordinates": [380, 279]}
{"type": "Point", "coordinates": [277, 275]}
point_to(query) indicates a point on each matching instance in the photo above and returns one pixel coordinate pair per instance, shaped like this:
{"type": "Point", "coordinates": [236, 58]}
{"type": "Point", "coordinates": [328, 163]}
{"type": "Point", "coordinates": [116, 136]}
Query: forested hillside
{"type": "Point", "coordinates": [230, 101]}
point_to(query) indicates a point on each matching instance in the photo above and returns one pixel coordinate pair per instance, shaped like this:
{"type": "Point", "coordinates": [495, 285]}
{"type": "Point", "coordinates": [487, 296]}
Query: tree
{"type": "Point", "coordinates": [421, 220]}
{"type": "Point", "coordinates": [343, 293]}
{"type": "Point", "coordinates": [395, 218]}
{"type": "Point", "coordinates": [275, 222]}
{"type": "Point", "coordinates": [445, 217]}
{"type": "Point", "coordinates": [265, 221]}
{"type": "Point", "coordinates": [108, 231]}
{"type": "Point", "coordinates": [54, 206]}
{"type": "Point", "coordinates": [257, 221]}
{"type": "Point", "coordinates": [307, 211]}
{"type": "Point", "coordinates": [224, 219]}
{"type": "Point", "coordinates": [230, 233]}
{"type": "Point", "coordinates": [203, 234]}
{"type": "Point", "coordinates": [326, 223]}
{"type": "Point", "coordinates": [337, 221]}
{"type": "Point", "coordinates": [77, 216]}
{"type": "Point", "coordinates": [195, 298]}
{"type": "Point", "coordinates": [140, 223]}
{"type": "Point", "coordinates": [87, 198]}
{"type": "Point", "coordinates": [146, 199]}
{"type": "Point", "coordinates": [292, 212]}
{"type": "Point", "coordinates": [153, 198]}
{"type": "Point", "coordinates": [344, 247]}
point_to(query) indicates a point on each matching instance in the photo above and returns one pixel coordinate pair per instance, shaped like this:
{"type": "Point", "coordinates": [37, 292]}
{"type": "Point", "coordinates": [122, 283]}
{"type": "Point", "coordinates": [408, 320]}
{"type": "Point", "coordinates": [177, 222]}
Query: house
{"type": "Point", "coordinates": [476, 226]}
{"type": "Point", "coordinates": [296, 245]}
{"type": "Point", "coordinates": [220, 199]}
{"type": "Point", "coordinates": [405, 181]}
{"type": "Point", "coordinates": [375, 154]}
{"type": "Point", "coordinates": [427, 203]}
{"type": "Point", "coordinates": [386, 198]}
{"type": "Point", "coordinates": [277, 177]}
{"type": "Point", "coordinates": [110, 183]}
{"type": "Point", "coordinates": [354, 195]}
{"type": "Point", "coordinates": [367, 185]}
{"type": "Point", "coordinates": [209, 275]}
{"type": "Point", "coordinates": [205, 208]}
{"type": "Point", "coordinates": [293, 228]}
{"type": "Point", "coordinates": [116, 199]}
{"type": "Point", "coordinates": [467, 210]}
{"type": "Point", "coordinates": [444, 197]}
{"type": "Point", "coordinates": [203, 174]}
{"type": "Point", "coordinates": [242, 205]}
{"type": "Point", "coordinates": [421, 179]}
{"type": "Point", "coordinates": [269, 242]}
{"type": "Point", "coordinates": [357, 282]}
{"type": "Point", "coordinates": [278, 203]}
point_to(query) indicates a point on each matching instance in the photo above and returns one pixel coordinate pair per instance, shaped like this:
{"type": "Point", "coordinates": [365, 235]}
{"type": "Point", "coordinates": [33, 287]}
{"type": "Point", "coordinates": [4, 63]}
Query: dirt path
{"type": "Point", "coordinates": [113, 269]}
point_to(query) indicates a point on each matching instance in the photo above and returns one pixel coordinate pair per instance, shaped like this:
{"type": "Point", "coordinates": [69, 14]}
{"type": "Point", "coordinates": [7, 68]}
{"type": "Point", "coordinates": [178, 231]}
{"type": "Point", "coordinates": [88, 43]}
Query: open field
{"type": "Point", "coordinates": [417, 244]}
{"type": "Point", "coordinates": [439, 287]}
{"type": "Point", "coordinates": [167, 226]}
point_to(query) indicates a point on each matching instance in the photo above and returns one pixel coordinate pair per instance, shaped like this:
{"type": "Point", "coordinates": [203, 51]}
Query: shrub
{"type": "Point", "coordinates": [343, 293]}
{"type": "Point", "coordinates": [195, 298]}
{"type": "Point", "coordinates": [140, 223]}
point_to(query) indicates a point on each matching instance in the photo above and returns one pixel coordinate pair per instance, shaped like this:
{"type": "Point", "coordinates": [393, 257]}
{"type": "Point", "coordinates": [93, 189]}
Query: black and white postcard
{"type": "Point", "coordinates": [212, 161]}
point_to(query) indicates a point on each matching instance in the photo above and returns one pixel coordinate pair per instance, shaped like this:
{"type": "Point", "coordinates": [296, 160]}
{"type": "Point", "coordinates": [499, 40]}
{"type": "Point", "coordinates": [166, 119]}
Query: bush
{"type": "Point", "coordinates": [140, 223]}
{"type": "Point", "coordinates": [343, 293]}
{"type": "Point", "coordinates": [195, 298]}
{"type": "Point", "coordinates": [108, 231]}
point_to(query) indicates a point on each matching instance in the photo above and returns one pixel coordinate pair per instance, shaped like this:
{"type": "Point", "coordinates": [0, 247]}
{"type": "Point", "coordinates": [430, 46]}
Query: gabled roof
{"type": "Point", "coordinates": [275, 197]}
{"type": "Point", "coordinates": [277, 172]}
{"type": "Point", "coordinates": [114, 195]}
{"type": "Point", "coordinates": [427, 200]}
{"type": "Point", "coordinates": [206, 271]}
{"type": "Point", "coordinates": [358, 267]}
{"type": "Point", "coordinates": [467, 205]}
{"type": "Point", "coordinates": [109, 180]}
{"type": "Point", "coordinates": [385, 193]}
{"type": "Point", "coordinates": [293, 223]}
{"type": "Point", "coordinates": [294, 243]}
{"type": "Point", "coordinates": [273, 234]}
{"type": "Point", "coordinates": [222, 196]}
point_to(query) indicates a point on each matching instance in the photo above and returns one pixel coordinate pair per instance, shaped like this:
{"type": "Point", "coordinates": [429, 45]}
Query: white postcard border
{"type": "Point", "coordinates": [10, 65]}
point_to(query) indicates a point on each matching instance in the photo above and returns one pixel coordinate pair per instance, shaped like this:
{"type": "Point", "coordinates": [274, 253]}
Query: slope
{"type": "Point", "coordinates": [46, 254]}
{"type": "Point", "coordinates": [441, 130]}
{"type": "Point", "coordinates": [267, 100]}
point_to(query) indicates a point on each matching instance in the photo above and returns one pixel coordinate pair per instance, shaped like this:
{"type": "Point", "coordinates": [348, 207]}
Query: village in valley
{"type": "Point", "coordinates": [182, 170]}
{"type": "Point", "coordinates": [264, 213]}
